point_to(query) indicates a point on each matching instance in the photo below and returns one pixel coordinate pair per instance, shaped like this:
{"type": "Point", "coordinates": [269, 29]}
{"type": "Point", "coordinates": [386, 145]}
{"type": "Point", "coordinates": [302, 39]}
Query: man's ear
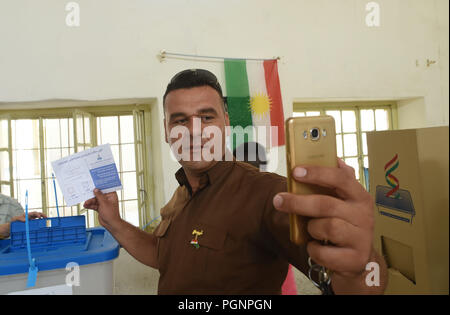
{"type": "Point", "coordinates": [227, 124]}
{"type": "Point", "coordinates": [165, 130]}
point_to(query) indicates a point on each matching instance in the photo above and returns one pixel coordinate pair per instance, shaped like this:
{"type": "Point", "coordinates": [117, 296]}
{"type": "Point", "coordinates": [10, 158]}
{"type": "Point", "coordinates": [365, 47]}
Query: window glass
{"type": "Point", "coordinates": [126, 129]}
{"type": "Point", "coordinates": [107, 130]}
{"type": "Point", "coordinates": [367, 120]}
{"type": "Point", "coordinates": [4, 166]}
{"type": "Point", "coordinates": [314, 113]}
{"type": "Point", "coordinates": [337, 119]}
{"type": "Point", "coordinates": [4, 133]}
{"type": "Point", "coordinates": [350, 145]}
{"type": "Point", "coordinates": [348, 121]}
{"type": "Point", "coordinates": [352, 132]}
{"type": "Point", "coordinates": [382, 121]}
{"type": "Point", "coordinates": [32, 168]}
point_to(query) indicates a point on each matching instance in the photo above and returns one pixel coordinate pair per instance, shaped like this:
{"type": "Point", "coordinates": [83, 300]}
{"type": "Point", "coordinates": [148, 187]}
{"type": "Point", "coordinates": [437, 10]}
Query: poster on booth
{"type": "Point", "coordinates": [80, 173]}
{"type": "Point", "coordinates": [408, 175]}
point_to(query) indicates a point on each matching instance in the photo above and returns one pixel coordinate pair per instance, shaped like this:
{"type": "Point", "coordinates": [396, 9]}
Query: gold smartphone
{"type": "Point", "coordinates": [309, 141]}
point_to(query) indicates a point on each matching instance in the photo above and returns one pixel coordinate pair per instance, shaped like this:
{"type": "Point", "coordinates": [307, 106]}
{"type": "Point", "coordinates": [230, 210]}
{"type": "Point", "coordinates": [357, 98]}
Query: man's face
{"type": "Point", "coordinates": [190, 116]}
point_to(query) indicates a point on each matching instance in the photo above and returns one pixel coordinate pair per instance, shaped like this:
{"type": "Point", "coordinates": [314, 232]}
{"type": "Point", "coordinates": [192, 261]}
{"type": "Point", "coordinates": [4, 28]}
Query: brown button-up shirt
{"type": "Point", "coordinates": [226, 238]}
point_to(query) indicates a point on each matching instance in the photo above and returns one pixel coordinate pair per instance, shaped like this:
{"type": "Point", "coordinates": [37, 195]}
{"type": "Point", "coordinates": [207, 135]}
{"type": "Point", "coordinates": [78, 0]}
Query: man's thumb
{"type": "Point", "coordinates": [99, 195]}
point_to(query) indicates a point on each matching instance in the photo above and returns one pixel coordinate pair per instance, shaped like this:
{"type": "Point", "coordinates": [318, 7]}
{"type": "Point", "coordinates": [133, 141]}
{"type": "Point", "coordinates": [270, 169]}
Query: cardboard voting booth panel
{"type": "Point", "coordinates": [409, 179]}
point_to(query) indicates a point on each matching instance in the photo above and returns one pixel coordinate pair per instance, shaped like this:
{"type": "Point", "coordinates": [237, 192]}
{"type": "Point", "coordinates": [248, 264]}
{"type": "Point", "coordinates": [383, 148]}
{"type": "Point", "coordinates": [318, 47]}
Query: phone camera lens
{"type": "Point", "coordinates": [314, 133]}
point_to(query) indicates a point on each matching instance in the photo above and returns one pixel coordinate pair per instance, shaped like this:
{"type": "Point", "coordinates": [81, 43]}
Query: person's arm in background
{"type": "Point", "coordinates": [140, 244]}
{"type": "Point", "coordinates": [5, 228]}
{"type": "Point", "coordinates": [11, 210]}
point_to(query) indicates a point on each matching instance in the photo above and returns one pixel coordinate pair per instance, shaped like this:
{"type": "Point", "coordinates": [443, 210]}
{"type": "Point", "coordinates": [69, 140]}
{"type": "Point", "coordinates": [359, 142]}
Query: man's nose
{"type": "Point", "coordinates": [195, 126]}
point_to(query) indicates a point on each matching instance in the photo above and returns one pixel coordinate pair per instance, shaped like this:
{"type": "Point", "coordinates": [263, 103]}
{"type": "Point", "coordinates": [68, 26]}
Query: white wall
{"type": "Point", "coordinates": [327, 50]}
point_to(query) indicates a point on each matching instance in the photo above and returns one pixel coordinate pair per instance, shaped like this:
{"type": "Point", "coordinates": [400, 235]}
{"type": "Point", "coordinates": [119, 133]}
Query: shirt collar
{"type": "Point", "coordinates": [210, 176]}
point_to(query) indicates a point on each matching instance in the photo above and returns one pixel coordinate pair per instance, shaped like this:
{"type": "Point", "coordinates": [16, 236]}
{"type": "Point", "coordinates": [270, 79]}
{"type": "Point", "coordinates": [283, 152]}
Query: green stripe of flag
{"type": "Point", "coordinates": [238, 98]}
{"type": "Point", "coordinates": [236, 78]}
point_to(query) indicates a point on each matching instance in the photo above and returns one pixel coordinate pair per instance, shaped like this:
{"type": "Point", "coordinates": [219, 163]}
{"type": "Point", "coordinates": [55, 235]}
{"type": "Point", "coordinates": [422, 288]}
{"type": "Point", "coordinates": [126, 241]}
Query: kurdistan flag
{"type": "Point", "coordinates": [254, 99]}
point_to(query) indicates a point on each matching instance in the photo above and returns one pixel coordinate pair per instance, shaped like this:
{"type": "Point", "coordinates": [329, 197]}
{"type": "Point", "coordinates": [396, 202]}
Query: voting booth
{"type": "Point", "coordinates": [409, 180]}
{"type": "Point", "coordinates": [57, 256]}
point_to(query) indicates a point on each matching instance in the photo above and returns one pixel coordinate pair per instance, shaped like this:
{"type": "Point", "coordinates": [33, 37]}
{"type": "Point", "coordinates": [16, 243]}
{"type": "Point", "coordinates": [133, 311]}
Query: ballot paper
{"type": "Point", "coordinates": [78, 174]}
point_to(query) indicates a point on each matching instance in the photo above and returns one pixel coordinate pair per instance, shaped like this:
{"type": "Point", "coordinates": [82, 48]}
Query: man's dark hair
{"type": "Point", "coordinates": [194, 78]}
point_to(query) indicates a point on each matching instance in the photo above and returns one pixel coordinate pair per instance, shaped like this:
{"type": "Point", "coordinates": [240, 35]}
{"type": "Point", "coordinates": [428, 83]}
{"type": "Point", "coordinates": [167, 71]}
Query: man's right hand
{"type": "Point", "coordinates": [141, 245]}
{"type": "Point", "coordinates": [107, 206]}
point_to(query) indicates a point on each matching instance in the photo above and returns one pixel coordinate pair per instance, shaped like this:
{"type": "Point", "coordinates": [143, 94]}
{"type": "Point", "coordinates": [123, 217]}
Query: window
{"type": "Point", "coordinates": [118, 131]}
{"type": "Point", "coordinates": [352, 124]}
{"type": "Point", "coordinates": [30, 141]}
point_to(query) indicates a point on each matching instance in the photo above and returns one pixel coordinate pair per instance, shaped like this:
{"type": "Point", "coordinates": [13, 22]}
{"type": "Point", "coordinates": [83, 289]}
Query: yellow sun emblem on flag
{"type": "Point", "coordinates": [260, 104]}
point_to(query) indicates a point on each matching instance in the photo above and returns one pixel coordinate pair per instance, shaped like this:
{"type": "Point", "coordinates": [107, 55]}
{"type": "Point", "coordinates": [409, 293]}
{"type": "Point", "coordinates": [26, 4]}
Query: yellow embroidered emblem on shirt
{"type": "Point", "coordinates": [195, 240]}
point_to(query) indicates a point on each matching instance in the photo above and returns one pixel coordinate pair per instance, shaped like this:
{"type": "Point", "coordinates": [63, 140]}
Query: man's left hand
{"type": "Point", "coordinates": [346, 221]}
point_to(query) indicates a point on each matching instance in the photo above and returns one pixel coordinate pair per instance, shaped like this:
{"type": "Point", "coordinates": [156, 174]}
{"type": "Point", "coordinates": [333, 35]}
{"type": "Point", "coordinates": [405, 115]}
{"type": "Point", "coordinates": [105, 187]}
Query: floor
{"type": "Point", "coordinates": [132, 277]}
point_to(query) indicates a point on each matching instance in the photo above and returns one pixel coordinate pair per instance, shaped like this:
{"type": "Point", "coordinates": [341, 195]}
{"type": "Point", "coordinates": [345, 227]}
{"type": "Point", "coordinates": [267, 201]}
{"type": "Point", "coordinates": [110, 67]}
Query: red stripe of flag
{"type": "Point", "coordinates": [274, 91]}
{"type": "Point", "coordinates": [390, 162]}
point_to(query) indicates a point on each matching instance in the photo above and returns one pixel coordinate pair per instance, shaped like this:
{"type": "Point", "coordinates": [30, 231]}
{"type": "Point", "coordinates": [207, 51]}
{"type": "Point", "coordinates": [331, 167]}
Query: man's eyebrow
{"type": "Point", "coordinates": [208, 110]}
{"type": "Point", "coordinates": [177, 115]}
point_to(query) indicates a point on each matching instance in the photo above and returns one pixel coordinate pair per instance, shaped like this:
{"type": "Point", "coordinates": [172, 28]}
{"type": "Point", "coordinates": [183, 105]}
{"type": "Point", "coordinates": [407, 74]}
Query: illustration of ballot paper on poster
{"type": "Point", "coordinates": [392, 201]}
{"type": "Point", "coordinates": [80, 173]}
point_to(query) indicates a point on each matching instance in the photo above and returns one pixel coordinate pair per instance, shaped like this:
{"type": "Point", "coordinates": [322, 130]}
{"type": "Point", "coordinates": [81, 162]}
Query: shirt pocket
{"type": "Point", "coordinates": [212, 255]}
{"type": "Point", "coordinates": [213, 237]}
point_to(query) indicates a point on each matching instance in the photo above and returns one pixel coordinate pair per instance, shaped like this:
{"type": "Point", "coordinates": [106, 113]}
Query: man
{"type": "Point", "coordinates": [254, 154]}
{"type": "Point", "coordinates": [10, 211]}
{"type": "Point", "coordinates": [226, 228]}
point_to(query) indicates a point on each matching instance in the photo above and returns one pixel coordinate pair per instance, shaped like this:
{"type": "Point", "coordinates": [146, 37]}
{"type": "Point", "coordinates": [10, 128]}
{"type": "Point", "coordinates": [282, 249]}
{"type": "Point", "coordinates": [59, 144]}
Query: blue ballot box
{"type": "Point", "coordinates": [68, 258]}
